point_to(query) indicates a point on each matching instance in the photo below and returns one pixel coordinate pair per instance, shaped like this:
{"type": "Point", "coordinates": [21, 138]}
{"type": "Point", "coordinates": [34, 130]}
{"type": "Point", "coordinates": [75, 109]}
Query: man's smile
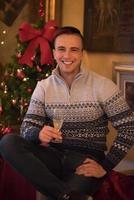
{"type": "Point", "coordinates": [67, 62]}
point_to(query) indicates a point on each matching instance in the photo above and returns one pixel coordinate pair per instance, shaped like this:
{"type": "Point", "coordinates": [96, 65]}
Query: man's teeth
{"type": "Point", "coordinates": [67, 62]}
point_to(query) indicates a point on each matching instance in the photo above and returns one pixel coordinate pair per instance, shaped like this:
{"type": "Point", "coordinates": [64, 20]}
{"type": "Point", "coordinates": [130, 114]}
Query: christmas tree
{"type": "Point", "coordinates": [32, 62]}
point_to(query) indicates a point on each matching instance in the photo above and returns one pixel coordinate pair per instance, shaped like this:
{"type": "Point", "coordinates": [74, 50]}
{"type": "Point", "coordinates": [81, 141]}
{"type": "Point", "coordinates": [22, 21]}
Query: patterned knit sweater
{"type": "Point", "coordinates": [87, 107]}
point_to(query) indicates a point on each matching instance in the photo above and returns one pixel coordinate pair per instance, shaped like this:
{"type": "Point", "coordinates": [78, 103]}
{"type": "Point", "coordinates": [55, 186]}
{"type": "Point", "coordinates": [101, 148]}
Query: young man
{"type": "Point", "coordinates": [75, 167]}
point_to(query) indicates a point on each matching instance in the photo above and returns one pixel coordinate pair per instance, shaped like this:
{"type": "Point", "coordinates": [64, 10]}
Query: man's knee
{"type": "Point", "coordinates": [8, 142]}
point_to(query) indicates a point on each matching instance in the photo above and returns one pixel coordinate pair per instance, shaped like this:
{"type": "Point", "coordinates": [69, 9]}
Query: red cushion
{"type": "Point", "coordinates": [117, 186]}
{"type": "Point", "coordinates": [13, 185]}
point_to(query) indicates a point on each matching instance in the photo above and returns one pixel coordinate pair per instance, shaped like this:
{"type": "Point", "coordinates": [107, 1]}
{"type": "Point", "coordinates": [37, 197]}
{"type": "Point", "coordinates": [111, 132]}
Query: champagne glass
{"type": "Point", "coordinates": [57, 122]}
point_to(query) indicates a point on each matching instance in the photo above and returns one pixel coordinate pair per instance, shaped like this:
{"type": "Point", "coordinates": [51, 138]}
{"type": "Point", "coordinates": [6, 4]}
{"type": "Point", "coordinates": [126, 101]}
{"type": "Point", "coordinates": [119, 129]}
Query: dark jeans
{"type": "Point", "coordinates": [51, 171]}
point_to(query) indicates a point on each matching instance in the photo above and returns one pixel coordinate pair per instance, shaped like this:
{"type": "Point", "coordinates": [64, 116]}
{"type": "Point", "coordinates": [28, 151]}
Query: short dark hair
{"type": "Point", "coordinates": [67, 30]}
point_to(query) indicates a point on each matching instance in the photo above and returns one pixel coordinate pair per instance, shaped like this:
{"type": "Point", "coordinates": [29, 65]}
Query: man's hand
{"type": "Point", "coordinates": [47, 134]}
{"type": "Point", "coordinates": [90, 168]}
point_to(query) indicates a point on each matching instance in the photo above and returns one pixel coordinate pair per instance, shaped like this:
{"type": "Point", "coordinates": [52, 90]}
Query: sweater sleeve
{"type": "Point", "coordinates": [122, 119]}
{"type": "Point", "coordinates": [35, 117]}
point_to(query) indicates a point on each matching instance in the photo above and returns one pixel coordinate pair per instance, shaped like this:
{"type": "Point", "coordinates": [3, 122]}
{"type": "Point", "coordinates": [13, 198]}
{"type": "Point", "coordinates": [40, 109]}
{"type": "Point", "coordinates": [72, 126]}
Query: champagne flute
{"type": "Point", "coordinates": [57, 122]}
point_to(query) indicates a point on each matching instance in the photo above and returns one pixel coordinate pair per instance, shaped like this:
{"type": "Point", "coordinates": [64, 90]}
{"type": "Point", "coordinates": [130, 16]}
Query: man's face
{"type": "Point", "coordinates": [68, 53]}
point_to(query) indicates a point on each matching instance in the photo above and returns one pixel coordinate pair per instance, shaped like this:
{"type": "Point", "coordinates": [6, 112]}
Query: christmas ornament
{"type": "Point", "coordinates": [18, 55]}
{"type": "Point", "coordinates": [6, 73]}
{"type": "Point", "coordinates": [41, 10]}
{"type": "Point", "coordinates": [37, 38]}
{"type": "Point", "coordinates": [20, 74]}
{"type": "Point", "coordinates": [0, 109]}
{"type": "Point", "coordinates": [7, 130]}
{"type": "Point", "coordinates": [39, 69]}
{"type": "Point", "coordinates": [33, 57]}
{"type": "Point", "coordinates": [29, 90]}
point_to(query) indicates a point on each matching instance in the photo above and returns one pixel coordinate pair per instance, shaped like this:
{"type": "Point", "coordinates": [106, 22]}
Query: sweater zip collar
{"type": "Point", "coordinates": [56, 72]}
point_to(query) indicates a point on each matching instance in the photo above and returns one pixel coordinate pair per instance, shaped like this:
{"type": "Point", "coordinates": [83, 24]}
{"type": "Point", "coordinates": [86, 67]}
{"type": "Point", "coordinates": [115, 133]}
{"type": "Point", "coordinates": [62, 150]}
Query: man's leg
{"type": "Point", "coordinates": [40, 165]}
{"type": "Point", "coordinates": [80, 184]}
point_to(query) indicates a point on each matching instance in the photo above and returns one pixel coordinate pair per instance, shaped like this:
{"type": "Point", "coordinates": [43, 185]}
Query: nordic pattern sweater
{"type": "Point", "coordinates": [87, 107]}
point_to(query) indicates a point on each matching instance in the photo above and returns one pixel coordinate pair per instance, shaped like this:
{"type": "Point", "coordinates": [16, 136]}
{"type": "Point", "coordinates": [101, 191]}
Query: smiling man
{"type": "Point", "coordinates": [68, 55]}
{"type": "Point", "coordinates": [75, 167]}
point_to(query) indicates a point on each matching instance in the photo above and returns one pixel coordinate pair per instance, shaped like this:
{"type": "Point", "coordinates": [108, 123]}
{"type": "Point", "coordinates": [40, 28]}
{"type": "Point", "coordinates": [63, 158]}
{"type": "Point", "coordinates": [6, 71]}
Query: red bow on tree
{"type": "Point", "coordinates": [37, 38]}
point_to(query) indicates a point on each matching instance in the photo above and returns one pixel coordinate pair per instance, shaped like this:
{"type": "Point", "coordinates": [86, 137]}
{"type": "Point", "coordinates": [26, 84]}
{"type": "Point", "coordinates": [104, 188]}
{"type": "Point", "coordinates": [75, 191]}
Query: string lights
{"type": "Point", "coordinates": [2, 42]}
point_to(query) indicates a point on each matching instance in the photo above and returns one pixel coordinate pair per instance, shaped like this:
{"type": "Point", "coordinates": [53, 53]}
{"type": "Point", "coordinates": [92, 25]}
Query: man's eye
{"type": "Point", "coordinates": [61, 49]}
{"type": "Point", "coordinates": [75, 50]}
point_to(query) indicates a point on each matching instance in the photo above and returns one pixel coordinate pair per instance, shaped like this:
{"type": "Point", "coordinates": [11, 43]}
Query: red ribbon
{"type": "Point", "coordinates": [38, 38]}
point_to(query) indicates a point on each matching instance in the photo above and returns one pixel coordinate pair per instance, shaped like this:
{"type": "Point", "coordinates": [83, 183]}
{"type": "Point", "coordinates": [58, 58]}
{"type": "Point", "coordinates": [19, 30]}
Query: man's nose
{"type": "Point", "coordinates": [67, 53]}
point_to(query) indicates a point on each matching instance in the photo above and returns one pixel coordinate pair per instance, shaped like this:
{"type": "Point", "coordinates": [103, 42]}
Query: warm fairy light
{"type": "Point", "coordinates": [5, 91]}
{"type": "Point", "coordinates": [47, 74]}
{"type": "Point", "coordinates": [4, 32]}
{"type": "Point", "coordinates": [2, 42]}
{"type": "Point", "coordinates": [14, 101]}
{"type": "Point", "coordinates": [2, 84]}
{"type": "Point", "coordinates": [26, 79]}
